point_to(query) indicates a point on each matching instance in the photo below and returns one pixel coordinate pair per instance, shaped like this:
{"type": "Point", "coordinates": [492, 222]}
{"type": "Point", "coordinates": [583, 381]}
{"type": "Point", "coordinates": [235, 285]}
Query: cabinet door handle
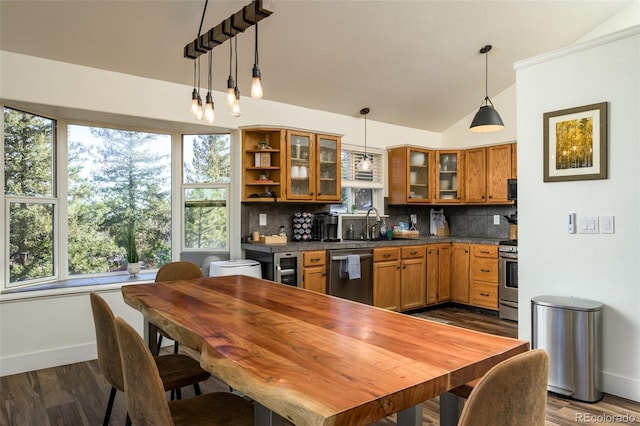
{"type": "Point", "coordinates": [315, 259]}
{"type": "Point", "coordinates": [484, 251]}
{"type": "Point", "coordinates": [485, 270]}
{"type": "Point", "coordinates": [466, 251]}
{"type": "Point", "coordinates": [404, 266]}
{"type": "Point", "coordinates": [386, 255]}
{"type": "Point", "coordinates": [413, 253]}
{"type": "Point", "coordinates": [484, 294]}
{"type": "Point", "coordinates": [398, 267]}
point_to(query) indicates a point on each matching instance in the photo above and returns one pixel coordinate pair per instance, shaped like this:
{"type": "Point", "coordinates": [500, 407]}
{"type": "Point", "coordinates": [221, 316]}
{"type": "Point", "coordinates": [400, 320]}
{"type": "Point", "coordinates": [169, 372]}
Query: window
{"type": "Point", "coordinates": [206, 177]}
{"type": "Point", "coordinates": [117, 179]}
{"type": "Point", "coordinates": [30, 203]}
{"type": "Point", "coordinates": [360, 190]}
{"type": "Point", "coordinates": [72, 191]}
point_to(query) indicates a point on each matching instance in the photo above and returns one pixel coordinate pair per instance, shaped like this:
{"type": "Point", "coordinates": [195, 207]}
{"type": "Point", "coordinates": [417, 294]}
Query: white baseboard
{"type": "Point", "coordinates": [623, 387]}
{"type": "Point", "coordinates": [45, 359]}
{"type": "Point", "coordinates": [52, 358]}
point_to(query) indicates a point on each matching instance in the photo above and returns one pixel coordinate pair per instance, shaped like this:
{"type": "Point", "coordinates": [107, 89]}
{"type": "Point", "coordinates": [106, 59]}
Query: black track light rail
{"type": "Point", "coordinates": [249, 15]}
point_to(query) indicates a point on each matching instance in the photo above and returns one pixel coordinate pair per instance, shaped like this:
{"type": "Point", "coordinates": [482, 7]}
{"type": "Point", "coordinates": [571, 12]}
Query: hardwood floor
{"type": "Point", "coordinates": [77, 394]}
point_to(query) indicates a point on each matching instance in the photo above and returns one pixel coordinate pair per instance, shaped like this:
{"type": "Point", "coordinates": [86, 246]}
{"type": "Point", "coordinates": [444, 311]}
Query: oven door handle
{"type": "Point", "coordinates": [509, 304]}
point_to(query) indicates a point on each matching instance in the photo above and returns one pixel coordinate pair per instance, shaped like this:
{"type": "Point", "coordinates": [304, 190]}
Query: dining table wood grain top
{"type": "Point", "coordinates": [315, 359]}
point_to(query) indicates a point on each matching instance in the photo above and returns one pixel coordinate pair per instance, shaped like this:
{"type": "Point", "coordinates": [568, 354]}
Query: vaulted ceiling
{"type": "Point", "coordinates": [414, 63]}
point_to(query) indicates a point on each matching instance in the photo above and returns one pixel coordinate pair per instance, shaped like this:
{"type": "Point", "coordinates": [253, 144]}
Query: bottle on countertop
{"type": "Point", "coordinates": [351, 232]}
{"type": "Point", "coordinates": [383, 229]}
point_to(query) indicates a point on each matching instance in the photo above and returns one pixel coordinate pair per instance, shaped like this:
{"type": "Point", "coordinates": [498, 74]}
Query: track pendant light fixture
{"type": "Point", "coordinates": [199, 110]}
{"type": "Point", "coordinates": [194, 95]}
{"type": "Point", "coordinates": [487, 118]}
{"type": "Point", "coordinates": [366, 163]}
{"type": "Point", "coordinates": [256, 84]}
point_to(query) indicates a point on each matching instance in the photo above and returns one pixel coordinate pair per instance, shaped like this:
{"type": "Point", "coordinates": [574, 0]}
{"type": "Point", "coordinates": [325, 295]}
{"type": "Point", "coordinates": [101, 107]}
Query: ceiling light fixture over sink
{"type": "Point", "coordinates": [366, 162]}
{"type": "Point", "coordinates": [487, 118]}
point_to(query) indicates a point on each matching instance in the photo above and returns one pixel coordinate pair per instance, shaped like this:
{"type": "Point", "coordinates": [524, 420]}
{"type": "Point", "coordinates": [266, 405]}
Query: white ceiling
{"type": "Point", "coordinates": [414, 63]}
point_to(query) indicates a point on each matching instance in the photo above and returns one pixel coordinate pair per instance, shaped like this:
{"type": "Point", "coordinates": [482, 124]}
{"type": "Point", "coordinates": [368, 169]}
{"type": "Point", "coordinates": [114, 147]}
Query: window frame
{"type": "Point", "coordinates": [376, 186]}
{"type": "Point", "coordinates": [61, 278]}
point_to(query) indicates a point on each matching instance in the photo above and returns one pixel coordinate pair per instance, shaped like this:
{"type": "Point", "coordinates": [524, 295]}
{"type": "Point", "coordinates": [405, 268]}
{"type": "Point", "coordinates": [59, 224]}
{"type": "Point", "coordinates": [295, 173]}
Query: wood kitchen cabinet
{"type": "Point", "coordinates": [399, 280]}
{"type": "Point", "coordinates": [410, 175]}
{"type": "Point", "coordinates": [386, 278]}
{"type": "Point", "coordinates": [263, 159]}
{"type": "Point", "coordinates": [413, 284]}
{"type": "Point", "coordinates": [312, 167]}
{"type": "Point", "coordinates": [448, 175]}
{"type": "Point", "coordinates": [290, 165]}
{"type": "Point", "coordinates": [484, 276]}
{"type": "Point", "coordinates": [438, 273]}
{"type": "Point", "coordinates": [486, 172]}
{"type": "Point", "coordinates": [314, 271]}
{"type": "Point", "coordinates": [460, 258]}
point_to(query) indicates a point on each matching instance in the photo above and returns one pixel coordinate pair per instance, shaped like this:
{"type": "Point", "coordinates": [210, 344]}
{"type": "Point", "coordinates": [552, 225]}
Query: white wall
{"type": "Point", "coordinates": [39, 332]}
{"type": "Point", "coordinates": [601, 267]}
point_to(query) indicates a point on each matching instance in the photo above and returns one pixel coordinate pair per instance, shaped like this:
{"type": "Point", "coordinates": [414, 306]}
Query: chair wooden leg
{"type": "Point", "coordinates": [128, 421]}
{"type": "Point", "coordinates": [178, 393]}
{"type": "Point", "coordinates": [196, 388]}
{"type": "Point", "coordinates": [175, 347]}
{"type": "Point", "coordinates": [107, 414]}
{"type": "Point", "coordinates": [159, 341]}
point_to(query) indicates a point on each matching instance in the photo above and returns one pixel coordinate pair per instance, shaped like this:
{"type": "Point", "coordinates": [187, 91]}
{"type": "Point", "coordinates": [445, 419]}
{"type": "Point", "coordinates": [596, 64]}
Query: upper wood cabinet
{"type": "Point", "coordinates": [263, 158]}
{"type": "Point", "coordinates": [448, 177]}
{"type": "Point", "coordinates": [486, 172]}
{"type": "Point", "coordinates": [294, 166]}
{"type": "Point", "coordinates": [410, 175]}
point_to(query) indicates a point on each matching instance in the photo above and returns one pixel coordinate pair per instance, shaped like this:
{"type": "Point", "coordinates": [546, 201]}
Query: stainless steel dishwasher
{"type": "Point", "coordinates": [342, 281]}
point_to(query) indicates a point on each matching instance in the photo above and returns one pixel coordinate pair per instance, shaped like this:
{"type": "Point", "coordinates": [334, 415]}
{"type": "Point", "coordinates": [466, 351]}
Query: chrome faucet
{"type": "Point", "coordinates": [370, 234]}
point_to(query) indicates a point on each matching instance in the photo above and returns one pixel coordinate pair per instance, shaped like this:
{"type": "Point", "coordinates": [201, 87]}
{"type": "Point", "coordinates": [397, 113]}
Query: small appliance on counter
{"type": "Point", "coordinates": [325, 227]}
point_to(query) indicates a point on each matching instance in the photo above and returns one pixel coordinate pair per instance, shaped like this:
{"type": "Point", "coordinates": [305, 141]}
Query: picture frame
{"type": "Point", "coordinates": [575, 143]}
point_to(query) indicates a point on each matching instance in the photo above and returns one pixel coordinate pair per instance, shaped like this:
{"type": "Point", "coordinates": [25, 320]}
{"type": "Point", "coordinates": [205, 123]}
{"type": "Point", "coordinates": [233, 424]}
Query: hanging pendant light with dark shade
{"type": "Point", "coordinates": [487, 118]}
{"type": "Point", "coordinates": [366, 163]}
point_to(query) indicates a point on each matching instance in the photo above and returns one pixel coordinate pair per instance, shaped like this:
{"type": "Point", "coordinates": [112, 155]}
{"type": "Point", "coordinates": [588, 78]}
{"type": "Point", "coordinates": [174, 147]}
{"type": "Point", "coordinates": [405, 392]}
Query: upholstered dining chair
{"type": "Point", "coordinates": [171, 272]}
{"type": "Point", "coordinates": [147, 404]}
{"type": "Point", "coordinates": [176, 371]}
{"type": "Point", "coordinates": [513, 392]}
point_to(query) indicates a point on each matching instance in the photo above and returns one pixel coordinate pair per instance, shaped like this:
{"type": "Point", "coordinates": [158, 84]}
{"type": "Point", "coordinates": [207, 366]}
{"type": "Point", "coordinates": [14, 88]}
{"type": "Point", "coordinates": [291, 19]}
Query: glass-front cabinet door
{"type": "Point", "coordinates": [300, 158]}
{"type": "Point", "coordinates": [419, 176]}
{"type": "Point", "coordinates": [328, 168]}
{"type": "Point", "coordinates": [448, 176]}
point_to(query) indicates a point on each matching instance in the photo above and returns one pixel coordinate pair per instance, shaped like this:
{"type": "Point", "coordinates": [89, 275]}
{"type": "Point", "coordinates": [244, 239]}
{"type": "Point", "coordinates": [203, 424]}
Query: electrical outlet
{"type": "Point", "coordinates": [263, 219]}
{"type": "Point", "coordinates": [496, 219]}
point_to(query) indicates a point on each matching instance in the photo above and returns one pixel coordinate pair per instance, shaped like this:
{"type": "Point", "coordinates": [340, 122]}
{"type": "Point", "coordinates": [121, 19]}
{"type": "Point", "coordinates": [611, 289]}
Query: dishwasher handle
{"type": "Point", "coordinates": [362, 256]}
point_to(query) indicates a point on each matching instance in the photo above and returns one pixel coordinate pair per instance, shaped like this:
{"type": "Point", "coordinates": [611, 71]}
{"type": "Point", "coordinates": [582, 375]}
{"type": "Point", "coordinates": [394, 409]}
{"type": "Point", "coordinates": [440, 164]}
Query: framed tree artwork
{"type": "Point", "coordinates": [575, 143]}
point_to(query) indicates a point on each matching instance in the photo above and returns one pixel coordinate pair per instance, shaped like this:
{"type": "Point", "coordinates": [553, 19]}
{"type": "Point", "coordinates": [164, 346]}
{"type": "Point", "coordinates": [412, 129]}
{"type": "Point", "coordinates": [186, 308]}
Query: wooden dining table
{"type": "Point", "coordinates": [314, 359]}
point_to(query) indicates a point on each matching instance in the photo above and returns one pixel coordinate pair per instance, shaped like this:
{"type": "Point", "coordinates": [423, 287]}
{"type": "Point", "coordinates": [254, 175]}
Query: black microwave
{"type": "Point", "coordinates": [512, 189]}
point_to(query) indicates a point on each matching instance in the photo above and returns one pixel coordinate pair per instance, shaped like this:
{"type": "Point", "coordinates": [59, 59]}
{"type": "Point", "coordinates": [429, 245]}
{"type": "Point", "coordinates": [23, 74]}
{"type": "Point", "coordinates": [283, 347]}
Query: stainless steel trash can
{"type": "Point", "coordinates": [569, 330]}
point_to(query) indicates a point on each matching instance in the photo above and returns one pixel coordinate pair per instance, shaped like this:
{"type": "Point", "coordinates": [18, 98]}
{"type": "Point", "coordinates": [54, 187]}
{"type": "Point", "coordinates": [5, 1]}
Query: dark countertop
{"type": "Point", "coordinates": [356, 244]}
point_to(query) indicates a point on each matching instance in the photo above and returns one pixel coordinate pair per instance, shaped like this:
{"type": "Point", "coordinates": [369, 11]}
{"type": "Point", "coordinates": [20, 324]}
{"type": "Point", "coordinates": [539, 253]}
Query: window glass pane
{"type": "Point", "coordinates": [206, 158]}
{"type": "Point", "coordinates": [205, 218]}
{"type": "Point", "coordinates": [28, 154]}
{"type": "Point", "coordinates": [118, 178]}
{"type": "Point", "coordinates": [30, 241]}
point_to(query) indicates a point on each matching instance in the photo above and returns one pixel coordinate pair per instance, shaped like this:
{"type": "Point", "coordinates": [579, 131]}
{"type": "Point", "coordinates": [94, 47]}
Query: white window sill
{"type": "Point", "coordinates": [74, 286]}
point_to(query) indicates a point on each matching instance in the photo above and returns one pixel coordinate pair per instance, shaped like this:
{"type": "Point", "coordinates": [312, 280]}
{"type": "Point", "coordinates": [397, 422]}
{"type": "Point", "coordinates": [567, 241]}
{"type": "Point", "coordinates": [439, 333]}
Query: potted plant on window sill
{"type": "Point", "coordinates": [133, 261]}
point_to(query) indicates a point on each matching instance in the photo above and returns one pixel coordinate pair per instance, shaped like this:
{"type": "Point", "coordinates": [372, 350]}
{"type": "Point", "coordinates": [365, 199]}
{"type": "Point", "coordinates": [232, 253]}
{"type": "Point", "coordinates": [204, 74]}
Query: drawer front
{"type": "Point", "coordinates": [314, 258]}
{"type": "Point", "coordinates": [412, 252]}
{"type": "Point", "coordinates": [484, 295]}
{"type": "Point", "coordinates": [484, 270]}
{"type": "Point", "coordinates": [387, 253]}
{"type": "Point", "coordinates": [484, 250]}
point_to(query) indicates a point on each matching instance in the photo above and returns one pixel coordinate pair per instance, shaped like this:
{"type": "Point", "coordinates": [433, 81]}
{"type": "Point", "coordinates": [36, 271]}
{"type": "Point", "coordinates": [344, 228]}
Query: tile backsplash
{"type": "Point", "coordinates": [464, 221]}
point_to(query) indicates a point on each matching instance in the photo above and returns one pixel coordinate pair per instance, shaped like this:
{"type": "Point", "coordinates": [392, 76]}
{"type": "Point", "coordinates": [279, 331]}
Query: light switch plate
{"type": "Point", "coordinates": [606, 225]}
{"type": "Point", "coordinates": [263, 219]}
{"type": "Point", "coordinates": [589, 225]}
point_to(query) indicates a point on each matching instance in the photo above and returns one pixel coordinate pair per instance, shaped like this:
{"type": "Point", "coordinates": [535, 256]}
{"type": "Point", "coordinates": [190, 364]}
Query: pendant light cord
{"type": "Point", "coordinates": [202, 19]}
{"type": "Point", "coordinates": [210, 70]}
{"type": "Point", "coordinates": [235, 38]}
{"type": "Point", "coordinates": [256, 49]}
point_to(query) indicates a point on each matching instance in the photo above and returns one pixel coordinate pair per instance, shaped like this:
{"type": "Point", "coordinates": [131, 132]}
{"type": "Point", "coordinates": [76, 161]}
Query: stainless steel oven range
{"type": "Point", "coordinates": [508, 280]}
